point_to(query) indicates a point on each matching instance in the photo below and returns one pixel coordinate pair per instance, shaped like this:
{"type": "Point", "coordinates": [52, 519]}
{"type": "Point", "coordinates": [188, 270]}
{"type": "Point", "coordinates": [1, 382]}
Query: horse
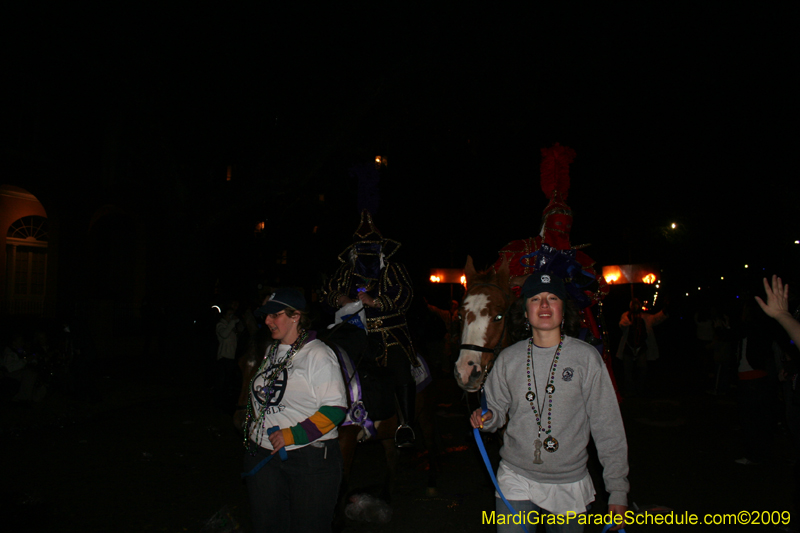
{"type": "Point", "coordinates": [350, 434]}
{"type": "Point", "coordinates": [484, 324]}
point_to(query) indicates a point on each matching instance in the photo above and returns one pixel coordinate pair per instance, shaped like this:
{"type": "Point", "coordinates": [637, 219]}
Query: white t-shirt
{"type": "Point", "coordinates": [312, 380]}
{"type": "Point", "coordinates": [558, 498]}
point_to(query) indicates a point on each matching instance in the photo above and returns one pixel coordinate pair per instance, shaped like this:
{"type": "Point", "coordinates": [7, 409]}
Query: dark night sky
{"type": "Point", "coordinates": [675, 115]}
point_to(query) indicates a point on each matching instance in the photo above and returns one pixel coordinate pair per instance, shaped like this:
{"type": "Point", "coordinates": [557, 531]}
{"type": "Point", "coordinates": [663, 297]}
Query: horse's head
{"type": "Point", "coordinates": [483, 324]}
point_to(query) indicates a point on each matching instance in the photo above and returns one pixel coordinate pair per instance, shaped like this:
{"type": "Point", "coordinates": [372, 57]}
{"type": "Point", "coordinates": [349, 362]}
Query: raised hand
{"type": "Point", "coordinates": [777, 298]}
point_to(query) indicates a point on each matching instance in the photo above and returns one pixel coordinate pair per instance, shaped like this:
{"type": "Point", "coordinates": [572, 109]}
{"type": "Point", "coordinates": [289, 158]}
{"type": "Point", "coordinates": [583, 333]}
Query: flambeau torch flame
{"type": "Point", "coordinates": [463, 280]}
{"type": "Point", "coordinates": [650, 278]}
{"type": "Point", "coordinates": [611, 274]}
{"type": "Point", "coordinates": [435, 279]}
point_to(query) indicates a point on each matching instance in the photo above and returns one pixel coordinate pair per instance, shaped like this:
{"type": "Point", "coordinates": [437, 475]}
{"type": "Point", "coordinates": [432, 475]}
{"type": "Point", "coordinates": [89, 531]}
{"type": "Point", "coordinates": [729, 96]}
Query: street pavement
{"type": "Point", "coordinates": [157, 454]}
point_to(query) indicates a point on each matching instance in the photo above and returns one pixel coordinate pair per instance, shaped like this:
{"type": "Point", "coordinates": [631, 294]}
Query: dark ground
{"type": "Point", "coordinates": [157, 455]}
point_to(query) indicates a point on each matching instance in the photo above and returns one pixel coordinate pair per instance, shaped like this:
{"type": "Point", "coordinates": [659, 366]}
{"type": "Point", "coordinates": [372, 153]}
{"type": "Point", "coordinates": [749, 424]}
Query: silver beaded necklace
{"type": "Point", "coordinates": [532, 395]}
{"type": "Point", "coordinates": [266, 389]}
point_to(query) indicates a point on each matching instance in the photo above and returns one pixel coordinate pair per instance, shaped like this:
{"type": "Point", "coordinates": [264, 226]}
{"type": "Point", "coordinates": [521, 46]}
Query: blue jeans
{"type": "Point", "coordinates": [296, 495]}
{"type": "Point", "coordinates": [525, 507]}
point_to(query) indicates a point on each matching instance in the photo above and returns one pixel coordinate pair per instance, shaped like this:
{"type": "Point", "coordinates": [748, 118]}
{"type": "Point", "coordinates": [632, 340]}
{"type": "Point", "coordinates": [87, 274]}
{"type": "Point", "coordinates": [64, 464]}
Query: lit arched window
{"type": "Point", "coordinates": [26, 266]}
{"type": "Point", "coordinates": [31, 228]}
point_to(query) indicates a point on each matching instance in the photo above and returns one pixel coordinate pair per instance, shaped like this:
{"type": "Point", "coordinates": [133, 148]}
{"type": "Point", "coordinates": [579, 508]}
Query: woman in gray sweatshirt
{"type": "Point", "coordinates": [553, 392]}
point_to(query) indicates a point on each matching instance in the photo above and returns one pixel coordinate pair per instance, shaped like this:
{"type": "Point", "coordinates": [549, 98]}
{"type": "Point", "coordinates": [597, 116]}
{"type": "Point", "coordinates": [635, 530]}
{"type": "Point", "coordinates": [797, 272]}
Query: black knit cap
{"type": "Point", "coordinates": [539, 282]}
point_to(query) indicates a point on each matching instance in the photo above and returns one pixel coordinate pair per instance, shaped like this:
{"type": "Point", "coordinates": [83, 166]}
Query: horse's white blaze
{"type": "Point", "coordinates": [473, 333]}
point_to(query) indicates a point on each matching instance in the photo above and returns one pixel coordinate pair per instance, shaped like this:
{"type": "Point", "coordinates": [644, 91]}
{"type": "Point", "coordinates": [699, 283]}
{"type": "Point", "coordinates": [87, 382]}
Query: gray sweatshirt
{"type": "Point", "coordinates": [584, 403]}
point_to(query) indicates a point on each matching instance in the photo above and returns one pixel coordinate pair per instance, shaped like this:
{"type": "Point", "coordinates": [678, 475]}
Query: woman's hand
{"type": "Point", "coordinates": [277, 441]}
{"type": "Point", "coordinates": [477, 420]}
{"type": "Point", "coordinates": [777, 298]}
{"type": "Point", "coordinates": [777, 307]}
{"type": "Point", "coordinates": [618, 510]}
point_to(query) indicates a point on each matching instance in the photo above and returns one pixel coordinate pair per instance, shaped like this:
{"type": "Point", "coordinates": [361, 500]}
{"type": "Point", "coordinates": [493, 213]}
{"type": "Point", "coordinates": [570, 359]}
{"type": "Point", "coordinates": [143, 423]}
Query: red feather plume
{"type": "Point", "coordinates": [555, 170]}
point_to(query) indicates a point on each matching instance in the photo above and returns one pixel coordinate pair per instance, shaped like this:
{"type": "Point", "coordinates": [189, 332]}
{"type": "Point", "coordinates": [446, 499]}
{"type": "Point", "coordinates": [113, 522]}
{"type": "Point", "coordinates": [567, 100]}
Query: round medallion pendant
{"type": "Point", "coordinates": [550, 444]}
{"type": "Point", "coordinates": [550, 389]}
{"type": "Point", "coordinates": [530, 396]}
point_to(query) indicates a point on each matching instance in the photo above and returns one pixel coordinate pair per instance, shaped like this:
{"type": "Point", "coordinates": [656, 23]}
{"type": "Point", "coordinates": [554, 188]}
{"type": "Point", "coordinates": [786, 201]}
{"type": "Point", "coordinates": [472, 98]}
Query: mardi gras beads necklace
{"type": "Point", "coordinates": [532, 395]}
{"type": "Point", "coordinates": [266, 390]}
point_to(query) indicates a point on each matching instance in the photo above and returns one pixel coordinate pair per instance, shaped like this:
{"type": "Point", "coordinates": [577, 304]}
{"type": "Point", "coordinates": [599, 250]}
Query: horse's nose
{"type": "Point", "coordinates": [476, 371]}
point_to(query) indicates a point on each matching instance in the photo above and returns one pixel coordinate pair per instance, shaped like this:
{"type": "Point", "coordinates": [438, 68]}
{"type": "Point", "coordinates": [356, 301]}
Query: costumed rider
{"type": "Point", "coordinates": [384, 289]}
{"type": "Point", "coordinates": [554, 392]}
{"type": "Point", "coordinates": [552, 251]}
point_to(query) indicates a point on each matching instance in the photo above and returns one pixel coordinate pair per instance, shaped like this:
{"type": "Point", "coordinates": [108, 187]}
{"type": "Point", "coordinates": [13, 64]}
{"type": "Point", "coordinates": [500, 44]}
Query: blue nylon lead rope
{"type": "Point", "coordinates": [259, 466]}
{"type": "Point", "coordinates": [482, 449]}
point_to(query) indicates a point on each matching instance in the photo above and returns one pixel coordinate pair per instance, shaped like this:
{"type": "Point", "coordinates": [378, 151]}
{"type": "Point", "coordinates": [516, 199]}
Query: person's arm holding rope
{"type": "Point", "coordinates": [328, 389]}
{"type": "Point", "coordinates": [477, 419]}
{"type": "Point", "coordinates": [498, 400]}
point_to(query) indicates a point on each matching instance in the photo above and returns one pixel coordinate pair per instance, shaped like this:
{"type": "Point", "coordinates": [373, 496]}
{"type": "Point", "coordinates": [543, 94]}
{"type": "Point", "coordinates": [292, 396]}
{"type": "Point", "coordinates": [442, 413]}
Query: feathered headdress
{"type": "Point", "coordinates": [557, 216]}
{"type": "Point", "coordinates": [555, 170]}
